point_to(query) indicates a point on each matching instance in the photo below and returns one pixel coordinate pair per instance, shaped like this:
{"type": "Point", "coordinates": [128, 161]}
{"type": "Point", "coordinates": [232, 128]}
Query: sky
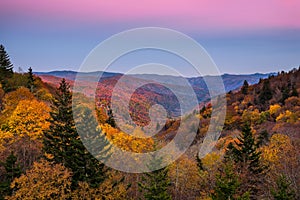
{"type": "Point", "coordinates": [241, 36]}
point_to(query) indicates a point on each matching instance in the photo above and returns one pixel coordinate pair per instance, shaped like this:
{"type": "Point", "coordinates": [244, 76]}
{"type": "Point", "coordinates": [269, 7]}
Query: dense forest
{"type": "Point", "coordinates": [43, 157]}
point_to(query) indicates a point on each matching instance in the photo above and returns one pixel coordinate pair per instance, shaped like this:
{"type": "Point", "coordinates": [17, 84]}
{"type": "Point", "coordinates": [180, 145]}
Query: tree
{"type": "Point", "coordinates": [227, 183]}
{"type": "Point", "coordinates": [12, 171]}
{"type": "Point", "coordinates": [62, 143]}
{"type": "Point", "coordinates": [30, 81]}
{"type": "Point", "coordinates": [245, 87]}
{"type": "Point", "coordinates": [43, 181]}
{"type": "Point", "coordinates": [29, 118]}
{"type": "Point", "coordinates": [110, 120]}
{"type": "Point", "coordinates": [266, 92]}
{"type": "Point", "coordinates": [246, 157]}
{"type": "Point", "coordinates": [155, 184]}
{"type": "Point", "coordinates": [6, 68]}
{"type": "Point", "coordinates": [283, 190]}
{"type": "Point", "coordinates": [11, 101]}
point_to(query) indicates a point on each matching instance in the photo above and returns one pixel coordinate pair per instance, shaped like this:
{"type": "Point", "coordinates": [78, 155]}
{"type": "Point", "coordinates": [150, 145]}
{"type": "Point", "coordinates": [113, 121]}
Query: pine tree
{"type": "Point", "coordinates": [227, 184]}
{"type": "Point", "coordinates": [30, 80]}
{"type": "Point", "coordinates": [12, 171]}
{"type": "Point", "coordinates": [155, 184]}
{"type": "Point", "coordinates": [6, 69]}
{"type": "Point", "coordinates": [92, 137]}
{"type": "Point", "coordinates": [294, 92]}
{"type": "Point", "coordinates": [110, 120]}
{"type": "Point", "coordinates": [245, 87]}
{"type": "Point", "coordinates": [283, 190]}
{"type": "Point", "coordinates": [246, 157]}
{"type": "Point", "coordinates": [266, 92]}
{"type": "Point", "coordinates": [62, 143]}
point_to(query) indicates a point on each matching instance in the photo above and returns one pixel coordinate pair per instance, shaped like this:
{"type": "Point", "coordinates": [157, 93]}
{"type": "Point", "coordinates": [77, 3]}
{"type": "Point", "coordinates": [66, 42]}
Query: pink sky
{"type": "Point", "coordinates": [190, 15]}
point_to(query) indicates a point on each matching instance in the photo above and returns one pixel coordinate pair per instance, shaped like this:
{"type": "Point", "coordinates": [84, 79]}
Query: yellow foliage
{"type": "Point", "coordinates": [279, 144]}
{"type": "Point", "coordinates": [184, 173]}
{"type": "Point", "coordinates": [288, 116]}
{"type": "Point", "coordinates": [43, 181]}
{"type": "Point", "coordinates": [11, 101]}
{"type": "Point", "coordinates": [274, 109]}
{"type": "Point", "coordinates": [107, 190]}
{"type": "Point", "coordinates": [211, 160]}
{"type": "Point", "coordinates": [128, 142]}
{"type": "Point", "coordinates": [29, 118]}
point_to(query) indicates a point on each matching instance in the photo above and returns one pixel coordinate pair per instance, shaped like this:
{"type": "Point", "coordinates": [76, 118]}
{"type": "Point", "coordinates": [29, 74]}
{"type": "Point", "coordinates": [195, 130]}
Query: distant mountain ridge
{"type": "Point", "coordinates": [156, 89]}
{"type": "Point", "coordinates": [231, 81]}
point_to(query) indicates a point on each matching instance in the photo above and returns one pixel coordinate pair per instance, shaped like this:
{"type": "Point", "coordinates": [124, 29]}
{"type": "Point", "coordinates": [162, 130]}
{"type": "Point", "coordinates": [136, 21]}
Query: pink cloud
{"type": "Point", "coordinates": [190, 15]}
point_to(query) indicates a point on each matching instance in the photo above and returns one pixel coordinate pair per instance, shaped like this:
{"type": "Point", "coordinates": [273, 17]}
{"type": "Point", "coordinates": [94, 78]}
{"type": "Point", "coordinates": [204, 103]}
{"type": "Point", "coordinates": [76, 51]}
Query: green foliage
{"type": "Point", "coordinates": [30, 80]}
{"type": "Point", "coordinates": [62, 143]}
{"type": "Point", "coordinates": [155, 184]}
{"type": "Point", "coordinates": [283, 190]}
{"type": "Point", "coordinates": [6, 69]}
{"type": "Point", "coordinates": [245, 151]}
{"type": "Point", "coordinates": [12, 170]}
{"type": "Point", "coordinates": [227, 184]}
{"type": "Point", "coordinates": [245, 87]}
{"type": "Point", "coordinates": [246, 157]}
{"type": "Point", "coordinates": [266, 92]}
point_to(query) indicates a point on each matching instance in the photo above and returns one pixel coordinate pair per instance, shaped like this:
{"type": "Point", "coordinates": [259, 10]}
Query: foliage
{"type": "Point", "coordinates": [12, 170]}
{"type": "Point", "coordinates": [155, 184]}
{"type": "Point", "coordinates": [283, 190]}
{"type": "Point", "coordinates": [29, 118]}
{"type": "Point", "coordinates": [62, 143]}
{"type": "Point", "coordinates": [227, 183]}
{"type": "Point", "coordinates": [247, 159]}
{"type": "Point", "coordinates": [6, 69]}
{"type": "Point", "coordinates": [31, 80]}
{"type": "Point", "coordinates": [43, 181]}
{"type": "Point", "coordinates": [11, 101]}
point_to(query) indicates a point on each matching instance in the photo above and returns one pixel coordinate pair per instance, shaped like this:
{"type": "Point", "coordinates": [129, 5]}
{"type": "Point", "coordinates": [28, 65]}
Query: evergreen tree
{"type": "Point", "coordinates": [110, 120]}
{"type": "Point", "coordinates": [246, 157]}
{"type": "Point", "coordinates": [294, 92]}
{"type": "Point", "coordinates": [30, 80]}
{"type": "Point", "coordinates": [6, 69]}
{"type": "Point", "coordinates": [92, 137]}
{"type": "Point", "coordinates": [155, 184]}
{"type": "Point", "coordinates": [12, 171]}
{"type": "Point", "coordinates": [266, 92]}
{"type": "Point", "coordinates": [227, 184]}
{"type": "Point", "coordinates": [62, 143]}
{"type": "Point", "coordinates": [283, 190]}
{"type": "Point", "coordinates": [245, 87]}
{"type": "Point", "coordinates": [284, 94]}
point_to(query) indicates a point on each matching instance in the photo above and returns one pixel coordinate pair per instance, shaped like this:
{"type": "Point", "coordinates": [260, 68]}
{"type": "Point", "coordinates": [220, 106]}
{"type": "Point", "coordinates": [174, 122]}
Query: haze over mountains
{"type": "Point", "coordinates": [231, 81]}
{"type": "Point", "coordinates": [174, 93]}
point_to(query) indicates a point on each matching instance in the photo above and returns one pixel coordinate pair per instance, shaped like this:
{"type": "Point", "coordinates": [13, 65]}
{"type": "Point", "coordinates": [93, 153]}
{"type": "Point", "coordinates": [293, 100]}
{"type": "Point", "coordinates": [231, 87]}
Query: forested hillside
{"type": "Point", "coordinates": [42, 156]}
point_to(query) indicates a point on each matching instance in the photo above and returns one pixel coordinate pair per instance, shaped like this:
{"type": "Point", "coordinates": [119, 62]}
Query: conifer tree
{"type": "Point", "coordinates": [266, 92]}
{"type": "Point", "coordinates": [30, 80]}
{"type": "Point", "coordinates": [227, 183]}
{"type": "Point", "coordinates": [110, 120]}
{"type": "Point", "coordinates": [283, 190]}
{"type": "Point", "coordinates": [6, 69]}
{"type": "Point", "coordinates": [62, 144]}
{"type": "Point", "coordinates": [155, 184]}
{"type": "Point", "coordinates": [12, 171]}
{"type": "Point", "coordinates": [246, 157]}
{"type": "Point", "coordinates": [245, 87]}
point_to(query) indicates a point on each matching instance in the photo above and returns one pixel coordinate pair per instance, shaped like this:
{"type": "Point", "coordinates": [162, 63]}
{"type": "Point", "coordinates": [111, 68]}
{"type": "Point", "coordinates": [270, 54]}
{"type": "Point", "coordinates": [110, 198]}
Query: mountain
{"type": "Point", "coordinates": [231, 81]}
{"type": "Point", "coordinates": [150, 89]}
